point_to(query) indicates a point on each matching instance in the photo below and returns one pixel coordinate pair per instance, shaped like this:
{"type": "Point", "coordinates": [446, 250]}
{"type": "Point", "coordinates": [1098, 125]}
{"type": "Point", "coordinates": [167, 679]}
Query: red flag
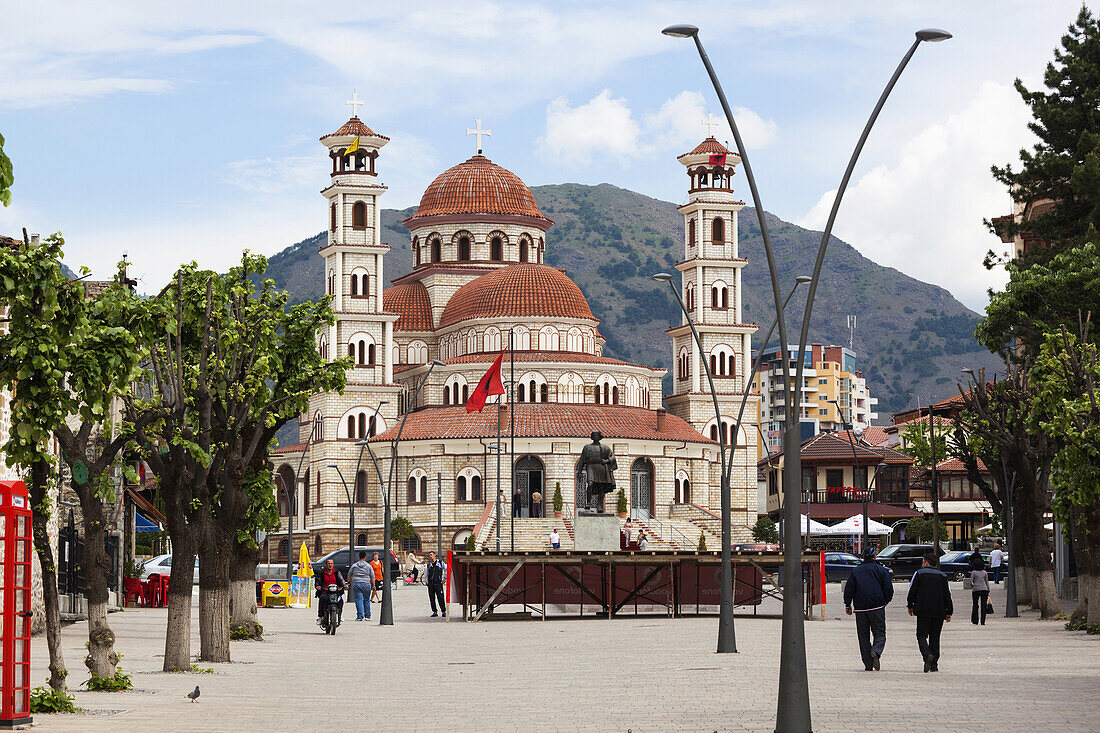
{"type": "Point", "coordinates": [718, 159]}
{"type": "Point", "coordinates": [490, 384]}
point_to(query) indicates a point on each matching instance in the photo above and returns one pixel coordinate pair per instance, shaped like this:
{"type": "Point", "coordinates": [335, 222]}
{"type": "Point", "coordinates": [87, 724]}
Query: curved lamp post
{"type": "Point", "coordinates": [793, 705]}
{"type": "Point", "coordinates": [851, 429]}
{"type": "Point", "coordinates": [727, 641]}
{"type": "Point", "coordinates": [351, 513]}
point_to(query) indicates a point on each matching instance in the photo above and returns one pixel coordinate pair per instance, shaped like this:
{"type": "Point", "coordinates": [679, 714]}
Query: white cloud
{"type": "Point", "coordinates": [49, 91]}
{"type": "Point", "coordinates": [268, 176]}
{"type": "Point", "coordinates": [679, 123]}
{"type": "Point", "coordinates": [922, 213]}
{"type": "Point", "coordinates": [602, 127]}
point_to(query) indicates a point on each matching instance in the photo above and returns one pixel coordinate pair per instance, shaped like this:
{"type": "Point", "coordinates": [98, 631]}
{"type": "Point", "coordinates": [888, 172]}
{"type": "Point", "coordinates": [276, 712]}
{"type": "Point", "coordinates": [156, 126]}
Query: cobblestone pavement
{"type": "Point", "coordinates": [637, 674]}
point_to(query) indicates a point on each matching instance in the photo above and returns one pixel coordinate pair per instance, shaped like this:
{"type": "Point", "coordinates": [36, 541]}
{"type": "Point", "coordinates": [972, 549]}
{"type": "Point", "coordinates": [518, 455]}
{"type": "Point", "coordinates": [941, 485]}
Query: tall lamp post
{"type": "Point", "coordinates": [863, 490]}
{"type": "Point", "coordinates": [351, 512]}
{"type": "Point", "coordinates": [727, 641]}
{"type": "Point", "coordinates": [793, 705]}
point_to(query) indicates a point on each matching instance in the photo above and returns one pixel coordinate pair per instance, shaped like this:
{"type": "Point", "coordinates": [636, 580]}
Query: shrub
{"type": "Point", "coordinates": [45, 699]}
{"type": "Point", "coordinates": [620, 503]}
{"type": "Point", "coordinates": [558, 501]}
{"type": "Point", "coordinates": [401, 529]}
{"type": "Point", "coordinates": [121, 681]}
{"type": "Point", "coordinates": [702, 542]}
{"type": "Point", "coordinates": [765, 531]}
{"type": "Point", "coordinates": [470, 547]}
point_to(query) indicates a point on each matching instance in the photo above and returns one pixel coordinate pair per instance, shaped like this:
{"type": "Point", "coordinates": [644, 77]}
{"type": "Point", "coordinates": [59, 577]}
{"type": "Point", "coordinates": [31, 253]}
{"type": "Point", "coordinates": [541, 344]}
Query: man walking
{"type": "Point", "coordinates": [437, 571]}
{"type": "Point", "coordinates": [930, 601]}
{"type": "Point", "coordinates": [869, 589]}
{"type": "Point", "coordinates": [361, 578]}
{"type": "Point", "coordinates": [996, 562]}
{"type": "Point", "coordinates": [555, 539]}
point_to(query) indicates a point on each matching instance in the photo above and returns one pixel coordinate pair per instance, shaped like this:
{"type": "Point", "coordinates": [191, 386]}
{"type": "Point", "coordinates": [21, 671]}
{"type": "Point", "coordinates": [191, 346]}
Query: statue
{"type": "Point", "coordinates": [598, 464]}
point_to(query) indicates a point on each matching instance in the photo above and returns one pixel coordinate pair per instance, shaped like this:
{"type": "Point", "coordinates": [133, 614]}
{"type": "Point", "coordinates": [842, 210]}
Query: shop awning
{"type": "Point", "coordinates": [955, 506]}
{"type": "Point", "coordinates": [141, 524]}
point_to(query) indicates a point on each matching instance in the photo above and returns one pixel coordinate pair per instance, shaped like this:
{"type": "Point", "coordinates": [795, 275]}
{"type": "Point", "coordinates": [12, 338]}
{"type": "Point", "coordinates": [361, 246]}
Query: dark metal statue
{"type": "Point", "coordinates": [598, 464]}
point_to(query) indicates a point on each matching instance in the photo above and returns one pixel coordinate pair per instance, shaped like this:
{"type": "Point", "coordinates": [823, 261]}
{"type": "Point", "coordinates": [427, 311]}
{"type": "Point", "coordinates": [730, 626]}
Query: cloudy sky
{"type": "Point", "coordinates": [175, 131]}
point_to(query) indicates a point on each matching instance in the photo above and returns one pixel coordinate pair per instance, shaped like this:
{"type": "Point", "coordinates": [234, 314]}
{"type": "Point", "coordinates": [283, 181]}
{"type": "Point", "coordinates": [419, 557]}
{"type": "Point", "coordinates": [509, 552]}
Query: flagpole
{"type": "Point", "coordinates": [512, 428]}
{"type": "Point", "coordinates": [499, 447]}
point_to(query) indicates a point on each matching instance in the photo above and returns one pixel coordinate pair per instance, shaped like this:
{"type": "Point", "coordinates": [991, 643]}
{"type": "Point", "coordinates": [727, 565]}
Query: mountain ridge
{"type": "Point", "coordinates": [911, 341]}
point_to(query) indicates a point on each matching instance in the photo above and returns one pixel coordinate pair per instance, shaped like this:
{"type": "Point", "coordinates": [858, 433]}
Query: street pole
{"type": "Point", "coordinates": [850, 429]}
{"type": "Point", "coordinates": [1011, 611]}
{"type": "Point", "coordinates": [512, 429]}
{"type": "Point", "coordinates": [291, 496]}
{"type": "Point", "coordinates": [727, 639]}
{"type": "Point", "coordinates": [935, 483]}
{"type": "Point", "coordinates": [351, 514]}
{"type": "Point", "coordinates": [438, 514]}
{"type": "Point", "coordinates": [793, 705]}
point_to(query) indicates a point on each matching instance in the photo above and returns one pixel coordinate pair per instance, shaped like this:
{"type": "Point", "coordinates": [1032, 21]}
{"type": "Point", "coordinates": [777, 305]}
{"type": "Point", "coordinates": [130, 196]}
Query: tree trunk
{"type": "Point", "coordinates": [1088, 569]}
{"type": "Point", "coordinates": [242, 592]}
{"type": "Point", "coordinates": [214, 602]}
{"type": "Point", "coordinates": [44, 549]}
{"type": "Point", "coordinates": [102, 659]}
{"type": "Point", "coordinates": [177, 639]}
{"type": "Point", "coordinates": [1078, 543]}
{"type": "Point", "coordinates": [1033, 505]}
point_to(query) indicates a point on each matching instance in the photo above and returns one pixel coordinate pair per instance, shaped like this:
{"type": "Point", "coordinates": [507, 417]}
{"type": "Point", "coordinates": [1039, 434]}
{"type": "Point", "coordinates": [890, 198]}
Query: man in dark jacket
{"type": "Point", "coordinates": [930, 601]}
{"type": "Point", "coordinates": [869, 589]}
{"type": "Point", "coordinates": [437, 576]}
{"type": "Point", "coordinates": [329, 575]}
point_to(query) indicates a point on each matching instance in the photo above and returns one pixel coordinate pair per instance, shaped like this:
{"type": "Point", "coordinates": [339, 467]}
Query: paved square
{"type": "Point", "coordinates": [637, 674]}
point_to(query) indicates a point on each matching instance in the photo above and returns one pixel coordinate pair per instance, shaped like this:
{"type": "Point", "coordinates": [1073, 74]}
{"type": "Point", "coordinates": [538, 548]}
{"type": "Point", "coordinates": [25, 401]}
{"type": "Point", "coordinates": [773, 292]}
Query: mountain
{"type": "Point", "coordinates": [911, 336]}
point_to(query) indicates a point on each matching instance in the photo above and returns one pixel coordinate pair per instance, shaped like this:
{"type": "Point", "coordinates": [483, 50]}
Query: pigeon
{"type": "Point", "coordinates": [194, 694]}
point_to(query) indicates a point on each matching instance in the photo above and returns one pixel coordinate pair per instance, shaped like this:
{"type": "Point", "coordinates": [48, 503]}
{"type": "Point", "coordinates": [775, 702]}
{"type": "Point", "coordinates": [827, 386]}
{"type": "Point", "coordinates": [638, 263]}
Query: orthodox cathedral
{"type": "Point", "coordinates": [479, 287]}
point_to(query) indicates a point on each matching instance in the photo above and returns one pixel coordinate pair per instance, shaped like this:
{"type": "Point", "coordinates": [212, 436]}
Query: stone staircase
{"type": "Point", "coordinates": [532, 535]}
{"type": "Point", "coordinates": [682, 534]}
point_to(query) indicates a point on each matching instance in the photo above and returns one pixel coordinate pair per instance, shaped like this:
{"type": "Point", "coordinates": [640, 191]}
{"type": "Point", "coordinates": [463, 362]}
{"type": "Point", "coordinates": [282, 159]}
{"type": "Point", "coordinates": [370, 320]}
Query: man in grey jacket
{"type": "Point", "coordinates": [361, 578]}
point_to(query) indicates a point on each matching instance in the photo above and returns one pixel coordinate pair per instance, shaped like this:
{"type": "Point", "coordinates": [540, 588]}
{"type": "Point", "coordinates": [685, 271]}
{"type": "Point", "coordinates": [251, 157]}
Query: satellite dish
{"type": "Point", "coordinates": [858, 431]}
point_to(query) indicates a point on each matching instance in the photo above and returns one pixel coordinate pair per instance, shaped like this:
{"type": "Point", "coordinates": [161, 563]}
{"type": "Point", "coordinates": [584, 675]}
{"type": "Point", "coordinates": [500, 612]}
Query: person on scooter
{"type": "Point", "coordinates": [329, 575]}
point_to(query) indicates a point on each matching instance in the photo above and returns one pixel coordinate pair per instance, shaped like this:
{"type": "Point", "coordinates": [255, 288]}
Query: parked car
{"type": "Point", "coordinates": [162, 564]}
{"type": "Point", "coordinates": [956, 564]}
{"type": "Point", "coordinates": [340, 558]}
{"type": "Point", "coordinates": [903, 560]}
{"type": "Point", "coordinates": [839, 565]}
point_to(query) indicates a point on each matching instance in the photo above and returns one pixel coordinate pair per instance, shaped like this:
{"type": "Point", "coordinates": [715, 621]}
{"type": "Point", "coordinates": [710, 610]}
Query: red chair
{"type": "Point", "coordinates": [164, 589]}
{"type": "Point", "coordinates": [153, 591]}
{"type": "Point", "coordinates": [134, 589]}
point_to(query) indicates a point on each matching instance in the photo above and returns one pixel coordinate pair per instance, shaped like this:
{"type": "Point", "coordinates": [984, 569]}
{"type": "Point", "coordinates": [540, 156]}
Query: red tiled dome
{"type": "Point", "coordinates": [410, 301]}
{"type": "Point", "coordinates": [478, 186]}
{"type": "Point", "coordinates": [710, 146]}
{"type": "Point", "coordinates": [355, 126]}
{"type": "Point", "coordinates": [517, 290]}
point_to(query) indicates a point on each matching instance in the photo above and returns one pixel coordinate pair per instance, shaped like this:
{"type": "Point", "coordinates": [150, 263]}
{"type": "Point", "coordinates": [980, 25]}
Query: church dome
{"type": "Point", "coordinates": [410, 301]}
{"type": "Point", "coordinates": [520, 290]}
{"type": "Point", "coordinates": [478, 187]}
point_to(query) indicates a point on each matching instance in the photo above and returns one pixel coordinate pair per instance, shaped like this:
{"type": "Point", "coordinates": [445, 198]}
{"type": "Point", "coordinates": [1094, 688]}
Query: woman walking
{"type": "Point", "coordinates": [979, 588]}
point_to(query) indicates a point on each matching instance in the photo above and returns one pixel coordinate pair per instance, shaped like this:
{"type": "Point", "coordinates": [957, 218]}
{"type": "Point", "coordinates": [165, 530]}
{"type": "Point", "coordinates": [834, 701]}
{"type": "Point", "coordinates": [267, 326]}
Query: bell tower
{"type": "Point", "coordinates": [710, 275]}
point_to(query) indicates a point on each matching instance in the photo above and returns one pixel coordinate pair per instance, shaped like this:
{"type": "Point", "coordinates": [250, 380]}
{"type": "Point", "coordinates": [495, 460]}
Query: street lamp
{"type": "Point", "coordinates": [351, 513]}
{"type": "Point", "coordinates": [727, 641]}
{"type": "Point", "coordinates": [793, 705]}
{"type": "Point", "coordinates": [852, 435]}
{"type": "Point", "coordinates": [385, 617]}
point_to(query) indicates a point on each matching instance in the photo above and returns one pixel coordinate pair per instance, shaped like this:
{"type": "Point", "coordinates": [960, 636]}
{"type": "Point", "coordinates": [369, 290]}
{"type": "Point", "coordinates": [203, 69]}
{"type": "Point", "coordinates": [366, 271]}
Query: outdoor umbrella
{"type": "Point", "coordinates": [854, 525]}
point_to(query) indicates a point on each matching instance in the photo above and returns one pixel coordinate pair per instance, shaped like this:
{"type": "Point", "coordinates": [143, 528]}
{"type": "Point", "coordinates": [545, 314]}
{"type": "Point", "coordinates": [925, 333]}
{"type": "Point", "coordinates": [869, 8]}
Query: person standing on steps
{"type": "Point", "coordinates": [517, 504]}
{"type": "Point", "coordinates": [979, 589]}
{"type": "Point", "coordinates": [555, 539]}
{"type": "Point", "coordinates": [929, 600]}
{"type": "Point", "coordinates": [361, 579]}
{"type": "Point", "coordinates": [536, 504]}
{"type": "Point", "coordinates": [869, 589]}
{"type": "Point", "coordinates": [437, 572]}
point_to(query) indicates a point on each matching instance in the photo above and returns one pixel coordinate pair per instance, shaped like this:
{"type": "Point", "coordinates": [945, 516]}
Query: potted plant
{"type": "Point", "coordinates": [558, 502]}
{"type": "Point", "coordinates": [620, 505]}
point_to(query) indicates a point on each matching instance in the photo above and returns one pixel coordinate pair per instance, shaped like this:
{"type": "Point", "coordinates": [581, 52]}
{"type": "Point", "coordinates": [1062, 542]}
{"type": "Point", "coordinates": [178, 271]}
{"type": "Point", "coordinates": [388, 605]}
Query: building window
{"type": "Point", "coordinates": [361, 539]}
{"type": "Point", "coordinates": [523, 250]}
{"type": "Point", "coordinates": [691, 232]}
{"type": "Point", "coordinates": [411, 544]}
{"type": "Point", "coordinates": [437, 251]}
{"type": "Point", "coordinates": [496, 249]}
{"type": "Point", "coordinates": [332, 218]}
{"type": "Point", "coordinates": [361, 487]}
{"type": "Point", "coordinates": [317, 546]}
{"type": "Point", "coordinates": [359, 215]}
{"type": "Point", "coordinates": [464, 248]}
{"type": "Point", "coordinates": [283, 548]}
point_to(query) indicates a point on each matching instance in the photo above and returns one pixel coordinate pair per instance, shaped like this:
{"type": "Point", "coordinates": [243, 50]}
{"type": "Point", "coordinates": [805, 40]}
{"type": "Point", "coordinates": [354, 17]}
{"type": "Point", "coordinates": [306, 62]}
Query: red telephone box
{"type": "Point", "coordinates": [15, 603]}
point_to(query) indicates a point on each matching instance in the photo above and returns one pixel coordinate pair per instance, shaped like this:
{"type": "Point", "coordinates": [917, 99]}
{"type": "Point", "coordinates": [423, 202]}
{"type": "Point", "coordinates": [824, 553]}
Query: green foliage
{"type": "Point", "coordinates": [45, 699]}
{"type": "Point", "coordinates": [469, 544]}
{"type": "Point", "coordinates": [765, 530]}
{"type": "Point", "coordinates": [6, 175]}
{"type": "Point", "coordinates": [1064, 165]}
{"type": "Point", "coordinates": [558, 501]}
{"type": "Point", "coordinates": [620, 502]}
{"type": "Point", "coordinates": [133, 568]}
{"type": "Point", "coordinates": [196, 669]}
{"type": "Point", "coordinates": [702, 542]}
{"type": "Point", "coordinates": [121, 681]}
{"type": "Point", "coordinates": [918, 445]}
{"type": "Point", "coordinates": [401, 528]}
{"type": "Point", "coordinates": [920, 530]}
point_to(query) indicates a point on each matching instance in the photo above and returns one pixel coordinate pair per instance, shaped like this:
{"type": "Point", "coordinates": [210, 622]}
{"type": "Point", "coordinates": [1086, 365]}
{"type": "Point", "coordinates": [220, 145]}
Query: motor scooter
{"type": "Point", "coordinates": [334, 596]}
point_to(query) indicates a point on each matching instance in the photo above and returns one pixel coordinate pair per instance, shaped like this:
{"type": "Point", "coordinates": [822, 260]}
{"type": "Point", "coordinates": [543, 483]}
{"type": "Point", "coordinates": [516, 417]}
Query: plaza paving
{"type": "Point", "coordinates": [637, 674]}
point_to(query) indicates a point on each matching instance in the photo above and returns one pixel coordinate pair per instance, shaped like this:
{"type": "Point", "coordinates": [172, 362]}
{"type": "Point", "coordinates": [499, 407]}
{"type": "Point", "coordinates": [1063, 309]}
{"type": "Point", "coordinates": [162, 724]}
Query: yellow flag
{"type": "Point", "coordinates": [353, 147]}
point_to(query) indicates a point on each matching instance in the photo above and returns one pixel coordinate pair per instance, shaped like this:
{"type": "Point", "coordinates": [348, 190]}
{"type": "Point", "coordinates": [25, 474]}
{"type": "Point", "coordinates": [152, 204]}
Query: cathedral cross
{"type": "Point", "coordinates": [478, 132]}
{"type": "Point", "coordinates": [710, 122]}
{"type": "Point", "coordinates": [355, 103]}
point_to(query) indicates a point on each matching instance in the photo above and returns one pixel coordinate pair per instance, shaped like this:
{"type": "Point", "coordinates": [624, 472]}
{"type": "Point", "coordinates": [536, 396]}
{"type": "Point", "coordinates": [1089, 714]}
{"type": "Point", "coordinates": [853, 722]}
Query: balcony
{"type": "Point", "coordinates": [851, 494]}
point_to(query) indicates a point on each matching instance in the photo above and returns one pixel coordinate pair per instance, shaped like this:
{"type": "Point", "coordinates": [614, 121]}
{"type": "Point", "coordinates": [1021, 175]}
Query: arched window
{"type": "Point", "coordinates": [468, 485]}
{"type": "Point", "coordinates": [361, 539]}
{"type": "Point", "coordinates": [496, 249]}
{"type": "Point", "coordinates": [532, 388]}
{"type": "Point", "coordinates": [574, 341]}
{"type": "Point", "coordinates": [689, 296]}
{"type": "Point", "coordinates": [571, 388]}
{"type": "Point", "coordinates": [724, 432]}
{"type": "Point", "coordinates": [332, 218]}
{"type": "Point", "coordinates": [455, 390]}
{"type": "Point", "coordinates": [523, 250]}
{"type": "Point", "coordinates": [411, 544]}
{"type": "Point", "coordinates": [718, 230]}
{"type": "Point", "coordinates": [464, 248]}
{"type": "Point", "coordinates": [418, 352]}
{"type": "Point", "coordinates": [437, 250]}
{"type": "Point", "coordinates": [607, 389]}
{"type": "Point", "coordinates": [360, 283]}
{"type": "Point", "coordinates": [491, 339]}
{"type": "Point", "coordinates": [719, 295]}
{"type": "Point", "coordinates": [322, 346]}
{"type": "Point", "coordinates": [684, 364]}
{"type": "Point", "coordinates": [549, 339]}
{"type": "Point", "coordinates": [318, 427]}
{"type": "Point", "coordinates": [683, 488]}
{"type": "Point", "coordinates": [361, 487]}
{"type": "Point", "coordinates": [417, 487]}
{"type": "Point", "coordinates": [722, 361]}
{"type": "Point", "coordinates": [521, 338]}
{"type": "Point", "coordinates": [359, 215]}
{"type": "Point", "coordinates": [317, 546]}
{"type": "Point", "coordinates": [361, 349]}
{"type": "Point", "coordinates": [360, 422]}
{"type": "Point", "coordinates": [633, 392]}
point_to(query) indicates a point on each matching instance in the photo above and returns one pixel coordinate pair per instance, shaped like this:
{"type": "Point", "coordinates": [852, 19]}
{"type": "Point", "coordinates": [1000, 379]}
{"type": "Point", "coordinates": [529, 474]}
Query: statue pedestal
{"type": "Point", "coordinates": [596, 532]}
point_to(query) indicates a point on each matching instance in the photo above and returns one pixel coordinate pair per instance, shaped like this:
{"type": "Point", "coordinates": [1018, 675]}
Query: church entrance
{"type": "Point", "coordinates": [529, 480]}
{"type": "Point", "coordinates": [641, 489]}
